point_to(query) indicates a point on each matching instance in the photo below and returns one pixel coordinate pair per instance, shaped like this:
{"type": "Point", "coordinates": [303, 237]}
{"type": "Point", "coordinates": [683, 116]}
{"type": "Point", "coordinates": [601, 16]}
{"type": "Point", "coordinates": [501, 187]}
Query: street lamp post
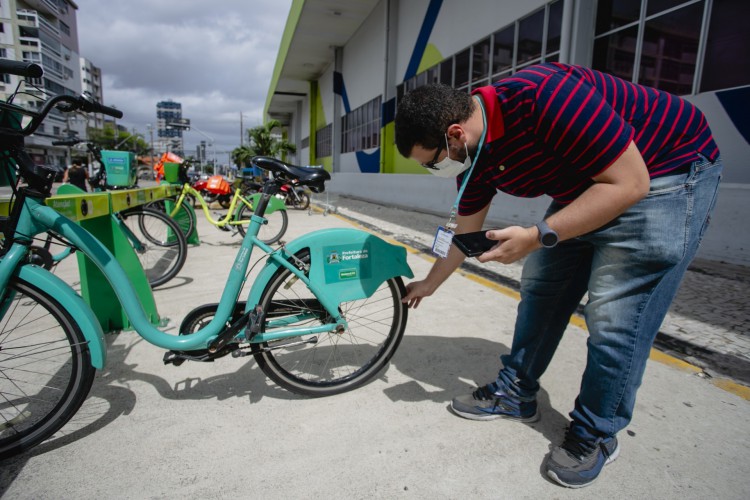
{"type": "Point", "coordinates": [186, 127]}
{"type": "Point", "coordinates": [150, 129]}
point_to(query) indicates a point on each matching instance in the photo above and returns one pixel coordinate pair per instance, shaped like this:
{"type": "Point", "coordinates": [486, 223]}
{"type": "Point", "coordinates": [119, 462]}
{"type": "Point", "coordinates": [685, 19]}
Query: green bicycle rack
{"type": "Point", "coordinates": [93, 211]}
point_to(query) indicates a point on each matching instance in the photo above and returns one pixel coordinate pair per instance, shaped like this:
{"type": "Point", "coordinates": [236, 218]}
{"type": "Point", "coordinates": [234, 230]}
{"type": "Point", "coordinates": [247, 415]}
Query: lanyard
{"type": "Point", "coordinates": [454, 210]}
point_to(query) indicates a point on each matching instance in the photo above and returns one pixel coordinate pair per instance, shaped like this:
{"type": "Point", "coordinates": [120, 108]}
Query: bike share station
{"type": "Point", "coordinates": [94, 212]}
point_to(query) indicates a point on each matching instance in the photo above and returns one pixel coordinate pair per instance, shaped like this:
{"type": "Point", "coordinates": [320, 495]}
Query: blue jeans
{"type": "Point", "coordinates": [631, 269]}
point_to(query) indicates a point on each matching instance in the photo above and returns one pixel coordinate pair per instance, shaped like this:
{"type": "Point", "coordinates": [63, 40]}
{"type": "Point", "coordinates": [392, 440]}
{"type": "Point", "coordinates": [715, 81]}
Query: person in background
{"type": "Point", "coordinates": [77, 175]}
{"type": "Point", "coordinates": [633, 173]}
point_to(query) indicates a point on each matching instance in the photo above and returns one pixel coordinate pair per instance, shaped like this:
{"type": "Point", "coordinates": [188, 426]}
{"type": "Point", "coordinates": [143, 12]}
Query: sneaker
{"type": "Point", "coordinates": [490, 402]}
{"type": "Point", "coordinates": [578, 462]}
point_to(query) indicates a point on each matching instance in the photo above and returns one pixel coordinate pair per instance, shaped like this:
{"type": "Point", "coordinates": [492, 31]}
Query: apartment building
{"type": "Point", "coordinates": [43, 32]}
{"type": "Point", "coordinates": [170, 138]}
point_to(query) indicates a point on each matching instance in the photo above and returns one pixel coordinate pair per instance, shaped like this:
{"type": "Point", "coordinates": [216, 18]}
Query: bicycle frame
{"type": "Point", "coordinates": [237, 199]}
{"type": "Point", "coordinates": [132, 238]}
{"type": "Point", "coordinates": [37, 218]}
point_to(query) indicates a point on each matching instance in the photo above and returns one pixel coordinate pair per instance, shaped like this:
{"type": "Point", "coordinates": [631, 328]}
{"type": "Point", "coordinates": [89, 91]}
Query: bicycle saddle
{"type": "Point", "coordinates": [312, 177]}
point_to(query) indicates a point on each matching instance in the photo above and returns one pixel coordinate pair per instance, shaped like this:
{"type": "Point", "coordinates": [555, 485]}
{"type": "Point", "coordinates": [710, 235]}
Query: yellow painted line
{"type": "Point", "coordinates": [733, 387]}
{"type": "Point", "coordinates": [655, 355]}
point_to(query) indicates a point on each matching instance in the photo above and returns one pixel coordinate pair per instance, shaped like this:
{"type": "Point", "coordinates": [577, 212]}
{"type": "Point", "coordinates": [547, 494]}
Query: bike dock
{"type": "Point", "coordinates": [93, 211]}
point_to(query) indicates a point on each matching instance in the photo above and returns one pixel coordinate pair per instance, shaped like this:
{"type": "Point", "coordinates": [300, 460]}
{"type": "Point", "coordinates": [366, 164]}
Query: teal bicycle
{"type": "Point", "coordinates": [323, 316]}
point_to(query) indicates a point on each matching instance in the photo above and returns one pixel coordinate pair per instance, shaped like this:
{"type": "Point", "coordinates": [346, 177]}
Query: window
{"type": "Point", "coordinates": [461, 76]}
{"type": "Point", "coordinates": [530, 35]}
{"type": "Point", "coordinates": [32, 56]}
{"type": "Point", "coordinates": [360, 128]}
{"type": "Point", "coordinates": [480, 63]}
{"type": "Point", "coordinates": [64, 28]}
{"type": "Point", "coordinates": [530, 40]}
{"type": "Point", "coordinates": [502, 60]}
{"type": "Point", "coordinates": [323, 142]}
{"type": "Point", "coordinates": [659, 42]}
{"type": "Point", "coordinates": [727, 59]}
{"type": "Point", "coordinates": [670, 49]}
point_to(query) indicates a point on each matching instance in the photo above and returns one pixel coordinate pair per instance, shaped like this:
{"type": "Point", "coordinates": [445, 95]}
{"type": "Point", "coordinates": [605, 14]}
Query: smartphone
{"type": "Point", "coordinates": [473, 244]}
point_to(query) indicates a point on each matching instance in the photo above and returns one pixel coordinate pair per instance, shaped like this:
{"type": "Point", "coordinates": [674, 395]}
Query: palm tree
{"type": "Point", "coordinates": [263, 143]}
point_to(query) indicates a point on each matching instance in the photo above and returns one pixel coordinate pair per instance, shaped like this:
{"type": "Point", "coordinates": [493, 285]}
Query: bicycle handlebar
{"type": "Point", "coordinates": [21, 68]}
{"type": "Point", "coordinates": [65, 103]}
{"type": "Point", "coordinates": [67, 142]}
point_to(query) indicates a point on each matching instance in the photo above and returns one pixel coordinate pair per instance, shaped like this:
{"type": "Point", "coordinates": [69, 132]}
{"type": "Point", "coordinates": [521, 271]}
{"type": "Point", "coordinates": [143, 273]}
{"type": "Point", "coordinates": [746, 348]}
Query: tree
{"type": "Point", "coordinates": [242, 155]}
{"type": "Point", "coordinates": [124, 141]}
{"type": "Point", "coordinates": [263, 142]}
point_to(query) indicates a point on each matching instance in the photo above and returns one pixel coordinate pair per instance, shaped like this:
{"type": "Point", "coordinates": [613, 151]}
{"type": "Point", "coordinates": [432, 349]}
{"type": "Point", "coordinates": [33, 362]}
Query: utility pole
{"type": "Point", "coordinates": [242, 132]}
{"type": "Point", "coordinates": [151, 132]}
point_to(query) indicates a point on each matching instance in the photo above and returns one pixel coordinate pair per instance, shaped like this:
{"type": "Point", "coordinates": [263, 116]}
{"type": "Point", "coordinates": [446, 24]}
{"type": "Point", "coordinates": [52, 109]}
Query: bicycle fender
{"type": "Point", "coordinates": [75, 305]}
{"type": "Point", "coordinates": [348, 264]}
{"type": "Point", "coordinates": [273, 203]}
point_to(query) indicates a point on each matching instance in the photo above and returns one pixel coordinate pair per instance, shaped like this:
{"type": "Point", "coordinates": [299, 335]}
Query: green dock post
{"type": "Point", "coordinates": [98, 220]}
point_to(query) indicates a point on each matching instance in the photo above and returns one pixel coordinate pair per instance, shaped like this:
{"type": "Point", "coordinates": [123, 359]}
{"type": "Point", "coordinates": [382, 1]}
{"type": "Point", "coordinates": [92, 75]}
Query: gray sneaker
{"type": "Point", "coordinates": [577, 462]}
{"type": "Point", "coordinates": [490, 402]}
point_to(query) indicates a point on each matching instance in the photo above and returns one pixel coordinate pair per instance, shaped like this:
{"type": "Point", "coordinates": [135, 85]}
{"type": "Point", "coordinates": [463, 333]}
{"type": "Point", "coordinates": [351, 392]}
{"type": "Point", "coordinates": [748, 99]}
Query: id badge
{"type": "Point", "coordinates": [442, 244]}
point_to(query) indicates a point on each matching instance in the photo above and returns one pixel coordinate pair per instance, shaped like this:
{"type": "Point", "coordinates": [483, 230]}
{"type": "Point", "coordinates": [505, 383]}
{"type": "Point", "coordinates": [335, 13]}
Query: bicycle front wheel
{"type": "Point", "coordinates": [184, 217]}
{"type": "Point", "coordinates": [158, 242]}
{"type": "Point", "coordinates": [272, 231]}
{"type": "Point", "coordinates": [45, 367]}
{"type": "Point", "coordinates": [332, 362]}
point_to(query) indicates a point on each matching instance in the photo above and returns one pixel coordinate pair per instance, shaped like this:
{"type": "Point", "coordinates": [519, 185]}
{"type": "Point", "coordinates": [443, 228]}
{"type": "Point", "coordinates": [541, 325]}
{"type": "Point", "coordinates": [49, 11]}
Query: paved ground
{"type": "Point", "coordinates": [222, 430]}
{"type": "Point", "coordinates": [708, 324]}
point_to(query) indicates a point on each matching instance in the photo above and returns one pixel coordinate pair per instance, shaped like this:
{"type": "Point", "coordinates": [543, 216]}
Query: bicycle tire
{"type": "Point", "coordinates": [184, 217]}
{"type": "Point", "coordinates": [269, 233]}
{"type": "Point", "coordinates": [336, 362]}
{"type": "Point", "coordinates": [302, 201]}
{"type": "Point", "coordinates": [163, 245]}
{"type": "Point", "coordinates": [41, 388]}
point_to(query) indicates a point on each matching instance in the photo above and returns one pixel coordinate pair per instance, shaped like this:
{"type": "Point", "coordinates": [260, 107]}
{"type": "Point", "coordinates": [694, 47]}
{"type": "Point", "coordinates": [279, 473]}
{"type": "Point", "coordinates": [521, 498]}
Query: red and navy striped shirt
{"type": "Point", "coordinates": [552, 127]}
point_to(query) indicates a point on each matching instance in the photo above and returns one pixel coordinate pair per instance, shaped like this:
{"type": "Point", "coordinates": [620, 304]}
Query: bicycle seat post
{"type": "Point", "coordinates": [270, 188]}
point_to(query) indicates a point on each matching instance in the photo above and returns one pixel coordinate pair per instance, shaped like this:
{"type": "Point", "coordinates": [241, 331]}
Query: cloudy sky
{"type": "Point", "coordinates": [215, 58]}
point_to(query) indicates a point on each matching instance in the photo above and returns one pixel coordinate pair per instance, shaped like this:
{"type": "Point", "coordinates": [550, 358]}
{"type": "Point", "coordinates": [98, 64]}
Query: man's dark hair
{"type": "Point", "coordinates": [425, 113]}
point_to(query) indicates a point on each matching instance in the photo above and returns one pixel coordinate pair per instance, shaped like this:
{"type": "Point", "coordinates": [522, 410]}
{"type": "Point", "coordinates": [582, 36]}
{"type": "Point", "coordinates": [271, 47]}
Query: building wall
{"type": "Point", "coordinates": [422, 33]}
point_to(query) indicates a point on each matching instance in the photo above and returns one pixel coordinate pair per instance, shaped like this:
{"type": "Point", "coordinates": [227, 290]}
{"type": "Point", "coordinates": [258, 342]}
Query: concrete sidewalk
{"type": "Point", "coordinates": [222, 430]}
{"type": "Point", "coordinates": [708, 324]}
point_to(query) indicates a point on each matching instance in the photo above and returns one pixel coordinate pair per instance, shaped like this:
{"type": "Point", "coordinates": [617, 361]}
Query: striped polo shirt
{"type": "Point", "coordinates": [552, 127]}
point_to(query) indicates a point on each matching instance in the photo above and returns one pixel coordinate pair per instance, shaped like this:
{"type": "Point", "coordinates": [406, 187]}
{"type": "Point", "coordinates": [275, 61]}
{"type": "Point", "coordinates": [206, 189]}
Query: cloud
{"type": "Point", "coordinates": [214, 58]}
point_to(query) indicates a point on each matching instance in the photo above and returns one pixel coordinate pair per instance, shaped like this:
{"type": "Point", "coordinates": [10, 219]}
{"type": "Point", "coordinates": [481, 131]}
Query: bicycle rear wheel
{"type": "Point", "coordinates": [332, 362]}
{"type": "Point", "coordinates": [302, 201]}
{"type": "Point", "coordinates": [45, 367]}
{"type": "Point", "coordinates": [271, 232]}
{"type": "Point", "coordinates": [158, 242]}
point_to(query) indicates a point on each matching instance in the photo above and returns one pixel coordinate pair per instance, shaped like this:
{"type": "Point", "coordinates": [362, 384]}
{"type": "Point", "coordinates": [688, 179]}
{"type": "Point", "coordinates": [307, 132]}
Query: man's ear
{"type": "Point", "coordinates": [455, 131]}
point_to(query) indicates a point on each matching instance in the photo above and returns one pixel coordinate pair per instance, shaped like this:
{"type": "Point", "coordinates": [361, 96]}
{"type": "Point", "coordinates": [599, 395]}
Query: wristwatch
{"type": "Point", "coordinates": [547, 236]}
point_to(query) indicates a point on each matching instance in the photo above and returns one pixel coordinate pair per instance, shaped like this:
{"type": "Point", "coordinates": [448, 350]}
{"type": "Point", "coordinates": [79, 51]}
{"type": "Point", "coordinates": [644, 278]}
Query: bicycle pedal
{"type": "Point", "coordinates": [174, 358]}
{"type": "Point", "coordinates": [257, 316]}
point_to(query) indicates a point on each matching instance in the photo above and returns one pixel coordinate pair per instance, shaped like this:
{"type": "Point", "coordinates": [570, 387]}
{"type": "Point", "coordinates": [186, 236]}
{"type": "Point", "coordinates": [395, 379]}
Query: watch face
{"type": "Point", "coordinates": [549, 239]}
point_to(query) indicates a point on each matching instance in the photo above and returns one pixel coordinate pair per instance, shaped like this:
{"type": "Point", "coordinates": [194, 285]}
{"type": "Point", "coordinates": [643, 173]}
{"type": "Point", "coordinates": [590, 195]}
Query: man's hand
{"type": "Point", "coordinates": [416, 291]}
{"type": "Point", "coordinates": [514, 243]}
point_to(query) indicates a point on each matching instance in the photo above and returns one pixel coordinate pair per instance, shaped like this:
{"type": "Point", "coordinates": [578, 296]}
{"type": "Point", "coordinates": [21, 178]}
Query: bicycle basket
{"type": "Point", "coordinates": [217, 184]}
